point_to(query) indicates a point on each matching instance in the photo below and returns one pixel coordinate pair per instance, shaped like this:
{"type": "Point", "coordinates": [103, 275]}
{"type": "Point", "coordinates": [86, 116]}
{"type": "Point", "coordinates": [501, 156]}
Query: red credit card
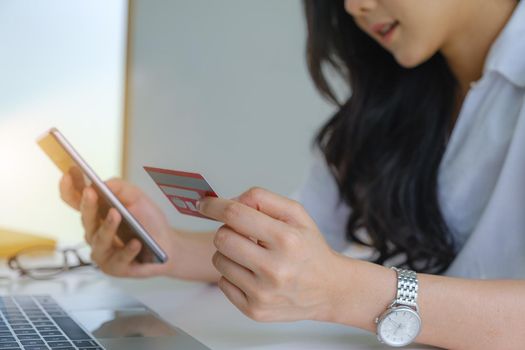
{"type": "Point", "coordinates": [182, 189]}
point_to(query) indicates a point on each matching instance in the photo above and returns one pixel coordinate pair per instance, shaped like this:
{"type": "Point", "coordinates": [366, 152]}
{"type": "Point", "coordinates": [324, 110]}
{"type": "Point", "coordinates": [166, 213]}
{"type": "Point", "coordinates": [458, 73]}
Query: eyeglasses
{"type": "Point", "coordinates": [43, 263]}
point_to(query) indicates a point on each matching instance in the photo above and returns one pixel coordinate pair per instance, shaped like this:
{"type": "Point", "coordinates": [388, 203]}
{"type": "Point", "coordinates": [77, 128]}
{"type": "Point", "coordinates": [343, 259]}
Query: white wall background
{"type": "Point", "coordinates": [221, 88]}
{"type": "Point", "coordinates": [61, 64]}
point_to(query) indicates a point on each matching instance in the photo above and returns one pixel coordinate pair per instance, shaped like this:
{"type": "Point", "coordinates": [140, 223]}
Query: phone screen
{"type": "Point", "coordinates": [67, 159]}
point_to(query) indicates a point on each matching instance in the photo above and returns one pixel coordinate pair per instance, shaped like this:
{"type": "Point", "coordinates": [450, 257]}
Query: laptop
{"type": "Point", "coordinates": [83, 322]}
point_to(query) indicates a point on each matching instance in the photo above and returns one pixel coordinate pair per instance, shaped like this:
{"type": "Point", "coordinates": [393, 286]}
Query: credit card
{"type": "Point", "coordinates": [183, 189]}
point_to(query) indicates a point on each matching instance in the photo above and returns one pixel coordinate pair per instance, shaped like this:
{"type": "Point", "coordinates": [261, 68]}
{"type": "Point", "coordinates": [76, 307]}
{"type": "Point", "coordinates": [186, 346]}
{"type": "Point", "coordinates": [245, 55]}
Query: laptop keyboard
{"type": "Point", "coordinates": [37, 323]}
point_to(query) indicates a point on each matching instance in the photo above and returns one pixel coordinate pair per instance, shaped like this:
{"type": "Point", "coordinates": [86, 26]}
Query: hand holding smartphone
{"type": "Point", "coordinates": [67, 159]}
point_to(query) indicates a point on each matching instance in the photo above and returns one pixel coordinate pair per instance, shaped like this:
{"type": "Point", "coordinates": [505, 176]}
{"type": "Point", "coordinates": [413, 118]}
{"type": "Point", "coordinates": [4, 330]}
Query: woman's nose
{"type": "Point", "coordinates": [359, 7]}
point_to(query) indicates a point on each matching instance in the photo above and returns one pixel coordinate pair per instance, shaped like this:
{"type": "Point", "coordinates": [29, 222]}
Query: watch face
{"type": "Point", "coordinates": [399, 327]}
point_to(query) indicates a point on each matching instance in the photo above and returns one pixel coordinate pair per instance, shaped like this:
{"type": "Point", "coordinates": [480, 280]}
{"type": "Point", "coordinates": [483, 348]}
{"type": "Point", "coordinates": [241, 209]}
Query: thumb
{"type": "Point", "coordinates": [126, 192]}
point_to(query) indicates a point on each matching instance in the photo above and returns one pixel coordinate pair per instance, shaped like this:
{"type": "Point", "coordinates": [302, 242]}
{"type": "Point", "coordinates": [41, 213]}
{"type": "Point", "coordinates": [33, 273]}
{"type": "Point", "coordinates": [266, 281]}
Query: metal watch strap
{"type": "Point", "coordinates": [407, 287]}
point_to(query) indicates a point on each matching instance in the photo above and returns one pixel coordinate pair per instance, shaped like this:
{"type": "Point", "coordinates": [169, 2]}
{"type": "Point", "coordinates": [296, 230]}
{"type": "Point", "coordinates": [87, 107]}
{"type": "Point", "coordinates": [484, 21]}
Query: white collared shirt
{"type": "Point", "coordinates": [481, 180]}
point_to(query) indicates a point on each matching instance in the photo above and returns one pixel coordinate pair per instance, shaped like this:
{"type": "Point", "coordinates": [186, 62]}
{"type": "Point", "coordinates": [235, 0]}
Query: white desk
{"type": "Point", "coordinates": [202, 311]}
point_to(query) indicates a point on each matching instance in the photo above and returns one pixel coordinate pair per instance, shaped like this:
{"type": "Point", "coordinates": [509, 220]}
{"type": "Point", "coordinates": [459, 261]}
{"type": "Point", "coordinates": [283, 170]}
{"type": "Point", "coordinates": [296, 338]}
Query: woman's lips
{"type": "Point", "coordinates": [385, 30]}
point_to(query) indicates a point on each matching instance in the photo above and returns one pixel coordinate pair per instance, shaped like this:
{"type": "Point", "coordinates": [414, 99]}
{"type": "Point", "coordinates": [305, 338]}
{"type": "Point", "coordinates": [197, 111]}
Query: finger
{"type": "Point", "coordinates": [102, 240]}
{"type": "Point", "coordinates": [241, 218]}
{"type": "Point", "coordinates": [234, 294]}
{"type": "Point", "coordinates": [120, 261]}
{"type": "Point", "coordinates": [77, 178]}
{"type": "Point", "coordinates": [240, 276]}
{"type": "Point", "coordinates": [68, 194]}
{"type": "Point", "coordinates": [125, 192]}
{"type": "Point", "coordinates": [276, 206]}
{"type": "Point", "coordinates": [89, 212]}
{"type": "Point", "coordinates": [240, 248]}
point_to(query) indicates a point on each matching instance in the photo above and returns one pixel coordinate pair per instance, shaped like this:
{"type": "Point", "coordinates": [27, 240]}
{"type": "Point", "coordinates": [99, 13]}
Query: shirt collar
{"type": "Point", "coordinates": [507, 54]}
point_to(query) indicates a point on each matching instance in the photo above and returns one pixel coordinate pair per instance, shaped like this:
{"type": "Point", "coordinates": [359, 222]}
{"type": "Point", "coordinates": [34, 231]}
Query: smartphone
{"type": "Point", "coordinates": [67, 159]}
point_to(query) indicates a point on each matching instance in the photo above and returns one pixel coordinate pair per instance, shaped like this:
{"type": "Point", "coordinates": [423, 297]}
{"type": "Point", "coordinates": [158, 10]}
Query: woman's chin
{"type": "Point", "coordinates": [409, 59]}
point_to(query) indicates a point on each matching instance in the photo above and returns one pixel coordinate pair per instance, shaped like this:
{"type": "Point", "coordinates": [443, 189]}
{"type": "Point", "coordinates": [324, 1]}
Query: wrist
{"type": "Point", "coordinates": [175, 241]}
{"type": "Point", "coordinates": [190, 256]}
{"type": "Point", "coordinates": [362, 291]}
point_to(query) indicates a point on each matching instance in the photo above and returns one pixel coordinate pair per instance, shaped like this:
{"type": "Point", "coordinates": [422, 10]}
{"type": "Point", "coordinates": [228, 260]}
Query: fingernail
{"type": "Point", "coordinates": [109, 218]}
{"type": "Point", "coordinates": [198, 205]}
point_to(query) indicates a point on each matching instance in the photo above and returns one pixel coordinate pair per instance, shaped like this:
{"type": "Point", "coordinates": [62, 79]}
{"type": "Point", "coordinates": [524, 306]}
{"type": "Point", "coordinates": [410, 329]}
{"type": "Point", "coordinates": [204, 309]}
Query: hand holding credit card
{"type": "Point", "coordinates": [183, 189]}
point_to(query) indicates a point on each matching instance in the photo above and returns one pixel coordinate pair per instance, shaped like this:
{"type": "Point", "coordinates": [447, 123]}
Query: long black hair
{"type": "Point", "coordinates": [386, 141]}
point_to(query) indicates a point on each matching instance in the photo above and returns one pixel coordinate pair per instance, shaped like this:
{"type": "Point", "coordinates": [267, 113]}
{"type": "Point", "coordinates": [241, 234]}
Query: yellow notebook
{"type": "Point", "coordinates": [12, 242]}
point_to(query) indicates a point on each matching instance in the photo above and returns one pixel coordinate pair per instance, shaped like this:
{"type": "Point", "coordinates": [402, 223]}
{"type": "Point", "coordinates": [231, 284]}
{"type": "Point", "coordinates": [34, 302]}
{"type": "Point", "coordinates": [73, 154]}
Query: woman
{"type": "Point", "coordinates": [424, 162]}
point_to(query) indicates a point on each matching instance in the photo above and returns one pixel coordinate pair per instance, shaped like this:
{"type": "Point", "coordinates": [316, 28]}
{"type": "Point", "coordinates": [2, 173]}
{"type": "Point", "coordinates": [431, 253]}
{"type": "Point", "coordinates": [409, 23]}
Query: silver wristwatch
{"type": "Point", "coordinates": [400, 324]}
